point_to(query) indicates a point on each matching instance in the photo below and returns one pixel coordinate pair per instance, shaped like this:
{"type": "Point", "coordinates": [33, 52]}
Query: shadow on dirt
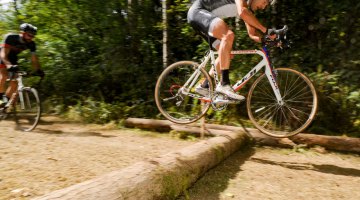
{"type": "Point", "coordinates": [216, 180]}
{"type": "Point", "coordinates": [73, 134]}
{"type": "Point", "coordinates": [330, 169]}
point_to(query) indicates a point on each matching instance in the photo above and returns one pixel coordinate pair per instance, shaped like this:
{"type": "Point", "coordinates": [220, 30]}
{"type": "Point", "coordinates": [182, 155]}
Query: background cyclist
{"type": "Point", "coordinates": [206, 17]}
{"type": "Point", "coordinates": [12, 45]}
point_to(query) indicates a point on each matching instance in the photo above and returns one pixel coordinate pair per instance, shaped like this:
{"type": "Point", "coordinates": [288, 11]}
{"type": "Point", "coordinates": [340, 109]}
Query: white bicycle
{"type": "Point", "coordinates": [24, 106]}
{"type": "Point", "coordinates": [280, 103]}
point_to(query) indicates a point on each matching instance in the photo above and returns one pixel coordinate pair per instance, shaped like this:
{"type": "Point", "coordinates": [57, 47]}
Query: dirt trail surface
{"type": "Point", "coordinates": [281, 174]}
{"type": "Point", "coordinates": [59, 154]}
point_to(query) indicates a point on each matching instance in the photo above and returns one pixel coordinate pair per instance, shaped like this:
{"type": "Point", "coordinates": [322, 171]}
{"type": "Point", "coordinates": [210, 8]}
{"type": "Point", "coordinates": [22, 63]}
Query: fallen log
{"type": "Point", "coordinates": [152, 124]}
{"type": "Point", "coordinates": [164, 177]}
{"type": "Point", "coordinates": [337, 143]}
{"type": "Point", "coordinates": [195, 130]}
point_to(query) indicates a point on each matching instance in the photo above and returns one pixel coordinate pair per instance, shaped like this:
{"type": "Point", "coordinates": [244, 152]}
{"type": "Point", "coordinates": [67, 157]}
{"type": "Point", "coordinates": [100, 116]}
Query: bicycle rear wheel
{"type": "Point", "coordinates": [181, 104]}
{"type": "Point", "coordinates": [297, 112]}
{"type": "Point", "coordinates": [27, 113]}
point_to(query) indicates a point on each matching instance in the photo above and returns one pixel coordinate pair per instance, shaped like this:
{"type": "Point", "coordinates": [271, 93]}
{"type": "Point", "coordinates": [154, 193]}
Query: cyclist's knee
{"type": "Point", "coordinates": [228, 38]}
{"type": "Point", "coordinates": [230, 35]}
{"type": "Point", "coordinates": [13, 84]}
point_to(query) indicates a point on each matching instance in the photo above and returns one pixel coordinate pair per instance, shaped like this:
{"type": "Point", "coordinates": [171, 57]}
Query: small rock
{"type": "Point", "coordinates": [319, 149]}
{"type": "Point", "coordinates": [54, 159]}
{"type": "Point", "coordinates": [21, 192]}
{"type": "Point", "coordinates": [230, 195]}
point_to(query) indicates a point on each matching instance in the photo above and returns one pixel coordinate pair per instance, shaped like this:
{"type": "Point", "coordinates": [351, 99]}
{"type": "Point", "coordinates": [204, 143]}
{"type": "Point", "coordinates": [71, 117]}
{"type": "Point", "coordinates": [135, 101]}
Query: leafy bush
{"type": "Point", "coordinates": [339, 104]}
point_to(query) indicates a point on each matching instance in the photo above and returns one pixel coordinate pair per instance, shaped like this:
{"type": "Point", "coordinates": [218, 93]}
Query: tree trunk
{"type": "Point", "coordinates": [163, 177]}
{"type": "Point", "coordinates": [165, 33]}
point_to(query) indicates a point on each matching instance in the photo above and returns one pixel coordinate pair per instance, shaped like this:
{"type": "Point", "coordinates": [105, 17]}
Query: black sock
{"type": "Point", "coordinates": [2, 98]}
{"type": "Point", "coordinates": [225, 80]}
{"type": "Point", "coordinates": [205, 84]}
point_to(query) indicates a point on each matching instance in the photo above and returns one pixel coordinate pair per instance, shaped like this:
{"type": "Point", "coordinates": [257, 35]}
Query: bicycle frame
{"type": "Point", "coordinates": [19, 92]}
{"type": "Point", "coordinates": [264, 63]}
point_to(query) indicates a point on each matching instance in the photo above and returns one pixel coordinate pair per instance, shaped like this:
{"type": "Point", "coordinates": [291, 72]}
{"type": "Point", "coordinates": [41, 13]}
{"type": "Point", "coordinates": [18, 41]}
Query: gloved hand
{"type": "Point", "coordinates": [13, 68]}
{"type": "Point", "coordinates": [272, 31]}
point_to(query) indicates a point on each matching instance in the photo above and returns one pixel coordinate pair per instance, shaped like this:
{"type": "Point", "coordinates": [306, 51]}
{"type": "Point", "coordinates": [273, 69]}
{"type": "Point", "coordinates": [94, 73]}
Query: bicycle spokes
{"type": "Point", "coordinates": [175, 94]}
{"type": "Point", "coordinates": [27, 110]}
{"type": "Point", "coordinates": [286, 118]}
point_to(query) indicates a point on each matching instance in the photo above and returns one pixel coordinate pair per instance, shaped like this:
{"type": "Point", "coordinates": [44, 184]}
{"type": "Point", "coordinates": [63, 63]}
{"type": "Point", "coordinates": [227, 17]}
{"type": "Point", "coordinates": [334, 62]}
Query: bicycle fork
{"type": "Point", "coordinates": [271, 76]}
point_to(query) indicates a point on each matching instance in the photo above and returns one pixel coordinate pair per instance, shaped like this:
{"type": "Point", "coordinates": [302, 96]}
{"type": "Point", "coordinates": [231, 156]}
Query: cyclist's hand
{"type": "Point", "coordinates": [270, 31]}
{"type": "Point", "coordinates": [39, 72]}
{"type": "Point", "coordinates": [13, 68]}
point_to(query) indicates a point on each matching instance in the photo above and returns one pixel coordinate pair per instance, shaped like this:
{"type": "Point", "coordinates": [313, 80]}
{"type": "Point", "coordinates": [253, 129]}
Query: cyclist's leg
{"type": "Point", "coordinates": [12, 88]}
{"type": "Point", "coordinates": [3, 77]}
{"type": "Point", "coordinates": [200, 20]}
{"type": "Point", "coordinates": [220, 30]}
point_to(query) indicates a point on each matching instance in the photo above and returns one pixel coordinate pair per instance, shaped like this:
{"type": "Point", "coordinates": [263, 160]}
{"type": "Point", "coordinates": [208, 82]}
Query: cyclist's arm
{"type": "Point", "coordinates": [248, 17]}
{"type": "Point", "coordinates": [4, 52]}
{"type": "Point", "coordinates": [35, 61]}
{"type": "Point", "coordinates": [253, 34]}
{"type": "Point", "coordinates": [34, 58]}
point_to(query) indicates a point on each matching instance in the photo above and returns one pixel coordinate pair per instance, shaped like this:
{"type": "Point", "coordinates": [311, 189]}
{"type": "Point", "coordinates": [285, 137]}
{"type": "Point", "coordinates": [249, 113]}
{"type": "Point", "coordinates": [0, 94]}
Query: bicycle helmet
{"type": "Point", "coordinates": [28, 28]}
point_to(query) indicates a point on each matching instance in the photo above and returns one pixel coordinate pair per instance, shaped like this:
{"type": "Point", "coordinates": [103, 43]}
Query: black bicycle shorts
{"type": "Point", "coordinates": [200, 19]}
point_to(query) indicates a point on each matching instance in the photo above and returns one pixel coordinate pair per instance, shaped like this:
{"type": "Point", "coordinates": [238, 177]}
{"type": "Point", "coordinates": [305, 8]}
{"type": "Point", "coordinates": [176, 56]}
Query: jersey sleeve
{"type": "Point", "coordinates": [8, 41]}
{"type": "Point", "coordinates": [32, 47]}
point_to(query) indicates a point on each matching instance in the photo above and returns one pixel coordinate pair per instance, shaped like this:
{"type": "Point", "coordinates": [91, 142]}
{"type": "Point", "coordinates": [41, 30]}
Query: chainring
{"type": "Point", "coordinates": [219, 106]}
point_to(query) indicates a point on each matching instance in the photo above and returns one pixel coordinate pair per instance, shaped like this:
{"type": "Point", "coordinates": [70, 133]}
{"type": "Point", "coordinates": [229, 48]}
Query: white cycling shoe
{"type": "Point", "coordinates": [228, 91]}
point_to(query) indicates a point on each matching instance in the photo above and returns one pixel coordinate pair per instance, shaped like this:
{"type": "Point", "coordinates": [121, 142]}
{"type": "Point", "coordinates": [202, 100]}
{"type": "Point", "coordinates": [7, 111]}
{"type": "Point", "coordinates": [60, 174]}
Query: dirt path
{"type": "Point", "coordinates": [59, 154]}
{"type": "Point", "coordinates": [281, 174]}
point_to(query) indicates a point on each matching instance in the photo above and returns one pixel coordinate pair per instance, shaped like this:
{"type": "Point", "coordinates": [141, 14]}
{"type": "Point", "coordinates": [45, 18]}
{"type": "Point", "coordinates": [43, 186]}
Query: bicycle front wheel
{"type": "Point", "coordinates": [175, 94]}
{"type": "Point", "coordinates": [27, 110]}
{"type": "Point", "coordinates": [294, 115]}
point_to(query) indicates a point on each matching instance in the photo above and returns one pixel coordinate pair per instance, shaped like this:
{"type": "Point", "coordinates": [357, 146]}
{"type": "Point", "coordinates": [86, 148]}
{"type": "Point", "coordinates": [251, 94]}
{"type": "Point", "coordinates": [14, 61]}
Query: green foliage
{"type": "Point", "coordinates": [96, 112]}
{"type": "Point", "coordinates": [339, 104]}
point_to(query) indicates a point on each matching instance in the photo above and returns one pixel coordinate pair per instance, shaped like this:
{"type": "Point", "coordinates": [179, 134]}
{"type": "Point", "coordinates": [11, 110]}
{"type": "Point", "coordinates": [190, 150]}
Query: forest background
{"type": "Point", "coordinates": [102, 58]}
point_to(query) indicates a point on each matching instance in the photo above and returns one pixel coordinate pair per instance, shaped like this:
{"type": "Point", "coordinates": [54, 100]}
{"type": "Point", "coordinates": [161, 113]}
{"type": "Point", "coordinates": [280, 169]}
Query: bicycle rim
{"type": "Point", "coordinates": [175, 105]}
{"type": "Point", "coordinates": [27, 113]}
{"type": "Point", "coordinates": [298, 111]}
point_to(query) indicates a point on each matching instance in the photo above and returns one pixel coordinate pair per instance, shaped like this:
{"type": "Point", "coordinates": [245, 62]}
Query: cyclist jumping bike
{"type": "Point", "coordinates": [281, 102]}
{"type": "Point", "coordinates": [206, 17]}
